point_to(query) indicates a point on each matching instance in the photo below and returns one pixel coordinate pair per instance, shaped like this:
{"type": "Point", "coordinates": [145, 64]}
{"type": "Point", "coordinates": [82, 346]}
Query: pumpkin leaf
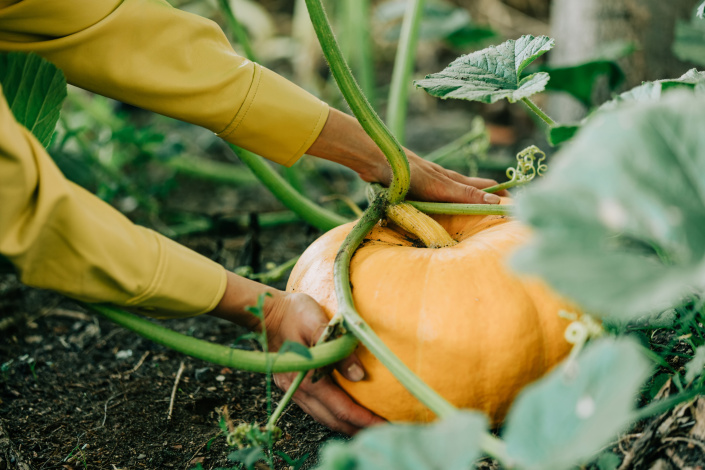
{"type": "Point", "coordinates": [579, 80]}
{"type": "Point", "coordinates": [35, 90]}
{"type": "Point", "coordinates": [559, 134]}
{"type": "Point", "coordinates": [492, 74]}
{"type": "Point", "coordinates": [569, 415]}
{"type": "Point", "coordinates": [450, 444]}
{"type": "Point", "coordinates": [619, 220]}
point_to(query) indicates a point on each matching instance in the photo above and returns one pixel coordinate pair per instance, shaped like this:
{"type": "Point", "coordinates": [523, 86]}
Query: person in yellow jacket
{"type": "Point", "coordinates": [148, 54]}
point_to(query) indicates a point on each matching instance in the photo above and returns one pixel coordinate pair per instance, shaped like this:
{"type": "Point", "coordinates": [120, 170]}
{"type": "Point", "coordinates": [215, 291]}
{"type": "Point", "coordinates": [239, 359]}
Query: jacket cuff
{"type": "Point", "coordinates": [278, 119]}
{"type": "Point", "coordinates": [185, 283]}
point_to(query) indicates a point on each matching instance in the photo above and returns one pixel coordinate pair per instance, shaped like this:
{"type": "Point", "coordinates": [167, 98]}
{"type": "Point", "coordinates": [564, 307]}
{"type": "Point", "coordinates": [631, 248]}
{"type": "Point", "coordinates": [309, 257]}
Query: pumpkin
{"type": "Point", "coordinates": [457, 316]}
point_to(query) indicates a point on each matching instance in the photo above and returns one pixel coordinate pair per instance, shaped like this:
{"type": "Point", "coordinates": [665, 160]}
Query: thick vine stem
{"type": "Point", "coordinates": [355, 323]}
{"type": "Point", "coordinates": [254, 361]}
{"type": "Point", "coordinates": [359, 105]}
{"type": "Point", "coordinates": [403, 66]}
{"type": "Point", "coordinates": [430, 232]}
{"type": "Point", "coordinates": [450, 208]}
{"type": "Point", "coordinates": [309, 211]}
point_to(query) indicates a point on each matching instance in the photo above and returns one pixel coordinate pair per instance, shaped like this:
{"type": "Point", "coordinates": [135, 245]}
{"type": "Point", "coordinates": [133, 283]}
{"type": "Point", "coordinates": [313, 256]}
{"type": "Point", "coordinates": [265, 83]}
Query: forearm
{"type": "Point", "coordinates": [61, 237]}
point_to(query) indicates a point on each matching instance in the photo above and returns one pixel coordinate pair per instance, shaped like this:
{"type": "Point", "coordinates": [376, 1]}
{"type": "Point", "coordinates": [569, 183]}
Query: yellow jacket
{"type": "Point", "coordinates": [146, 53]}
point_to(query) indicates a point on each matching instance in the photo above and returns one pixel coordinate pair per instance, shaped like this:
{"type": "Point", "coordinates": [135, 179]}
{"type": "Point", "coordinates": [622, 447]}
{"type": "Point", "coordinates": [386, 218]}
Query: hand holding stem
{"type": "Point", "coordinates": [297, 317]}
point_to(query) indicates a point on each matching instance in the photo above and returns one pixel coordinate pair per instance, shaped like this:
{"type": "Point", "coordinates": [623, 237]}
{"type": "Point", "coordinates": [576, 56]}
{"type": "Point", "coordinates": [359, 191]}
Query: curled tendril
{"type": "Point", "coordinates": [582, 328]}
{"type": "Point", "coordinates": [529, 164]}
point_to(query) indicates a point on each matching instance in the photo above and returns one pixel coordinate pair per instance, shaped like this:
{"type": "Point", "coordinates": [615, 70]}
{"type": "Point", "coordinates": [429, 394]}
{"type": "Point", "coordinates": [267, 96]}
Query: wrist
{"type": "Point", "coordinates": [344, 141]}
{"type": "Point", "coordinates": [241, 293]}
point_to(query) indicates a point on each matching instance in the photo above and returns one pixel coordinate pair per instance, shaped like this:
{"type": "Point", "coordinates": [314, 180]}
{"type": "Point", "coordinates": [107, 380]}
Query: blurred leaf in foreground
{"type": "Point", "coordinates": [450, 444]}
{"type": "Point", "coordinates": [619, 221]}
{"type": "Point", "coordinates": [569, 415]}
{"type": "Point", "coordinates": [492, 74]}
{"type": "Point", "coordinates": [35, 90]}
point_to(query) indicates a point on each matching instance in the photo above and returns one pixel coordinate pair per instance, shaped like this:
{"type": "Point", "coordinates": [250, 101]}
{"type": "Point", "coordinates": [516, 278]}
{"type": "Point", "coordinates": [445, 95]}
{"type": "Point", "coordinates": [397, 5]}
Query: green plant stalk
{"type": "Point", "coordinates": [506, 185]}
{"type": "Point", "coordinates": [358, 326]}
{"type": "Point", "coordinates": [204, 168]}
{"type": "Point", "coordinates": [254, 361]}
{"type": "Point", "coordinates": [477, 131]}
{"type": "Point", "coordinates": [275, 273]}
{"type": "Point", "coordinates": [239, 33]}
{"type": "Point", "coordinates": [460, 209]}
{"type": "Point", "coordinates": [358, 47]}
{"type": "Point", "coordinates": [544, 117]}
{"type": "Point", "coordinates": [281, 406]}
{"type": "Point", "coordinates": [359, 105]}
{"type": "Point", "coordinates": [309, 211]}
{"type": "Point", "coordinates": [403, 67]}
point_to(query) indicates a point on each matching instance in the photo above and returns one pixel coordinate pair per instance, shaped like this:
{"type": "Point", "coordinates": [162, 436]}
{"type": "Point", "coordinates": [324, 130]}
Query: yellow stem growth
{"type": "Point", "coordinates": [424, 227]}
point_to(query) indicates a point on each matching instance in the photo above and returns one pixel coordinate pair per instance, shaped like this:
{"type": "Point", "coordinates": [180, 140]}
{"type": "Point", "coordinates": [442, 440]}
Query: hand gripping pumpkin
{"type": "Point", "coordinates": [470, 328]}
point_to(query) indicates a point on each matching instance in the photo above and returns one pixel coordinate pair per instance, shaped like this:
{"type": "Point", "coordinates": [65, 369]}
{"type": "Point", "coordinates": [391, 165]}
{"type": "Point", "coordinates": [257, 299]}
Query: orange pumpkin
{"type": "Point", "coordinates": [458, 317]}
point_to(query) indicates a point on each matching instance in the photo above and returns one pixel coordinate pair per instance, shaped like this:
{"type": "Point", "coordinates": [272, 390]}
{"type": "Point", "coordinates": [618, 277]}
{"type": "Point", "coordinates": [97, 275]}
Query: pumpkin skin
{"type": "Point", "coordinates": [471, 329]}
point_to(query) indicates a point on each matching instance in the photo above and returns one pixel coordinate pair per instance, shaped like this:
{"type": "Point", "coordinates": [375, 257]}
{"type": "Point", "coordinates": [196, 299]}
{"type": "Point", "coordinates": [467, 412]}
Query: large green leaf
{"type": "Point", "coordinates": [450, 444]}
{"type": "Point", "coordinates": [580, 80]}
{"type": "Point", "coordinates": [35, 89]}
{"type": "Point", "coordinates": [693, 80]}
{"type": "Point", "coordinates": [568, 416]}
{"type": "Point", "coordinates": [492, 74]}
{"type": "Point", "coordinates": [619, 221]}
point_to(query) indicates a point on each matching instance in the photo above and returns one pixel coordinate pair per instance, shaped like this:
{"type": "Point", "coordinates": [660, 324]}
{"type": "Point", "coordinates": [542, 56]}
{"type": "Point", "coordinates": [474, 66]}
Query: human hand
{"type": "Point", "coordinates": [343, 141]}
{"type": "Point", "coordinates": [297, 317]}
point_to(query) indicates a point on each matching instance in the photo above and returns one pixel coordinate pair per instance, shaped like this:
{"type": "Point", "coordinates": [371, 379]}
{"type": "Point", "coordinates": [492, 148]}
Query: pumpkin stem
{"type": "Point", "coordinates": [430, 232]}
{"type": "Point", "coordinates": [369, 120]}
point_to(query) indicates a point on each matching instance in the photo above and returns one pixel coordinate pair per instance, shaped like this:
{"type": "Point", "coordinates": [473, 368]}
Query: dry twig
{"type": "Point", "coordinates": [173, 390]}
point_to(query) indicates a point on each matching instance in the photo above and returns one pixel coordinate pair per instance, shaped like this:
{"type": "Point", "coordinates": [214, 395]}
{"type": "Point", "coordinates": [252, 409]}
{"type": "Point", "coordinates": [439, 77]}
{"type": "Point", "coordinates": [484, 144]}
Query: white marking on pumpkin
{"type": "Point", "coordinates": [585, 407]}
{"type": "Point", "coordinates": [612, 214]}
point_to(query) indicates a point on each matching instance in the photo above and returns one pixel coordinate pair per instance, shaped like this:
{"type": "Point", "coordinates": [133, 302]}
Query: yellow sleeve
{"type": "Point", "coordinates": [63, 238]}
{"type": "Point", "coordinates": [148, 54]}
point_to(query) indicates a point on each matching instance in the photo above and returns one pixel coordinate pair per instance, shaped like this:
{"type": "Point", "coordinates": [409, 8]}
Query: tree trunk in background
{"type": "Point", "coordinates": [584, 27]}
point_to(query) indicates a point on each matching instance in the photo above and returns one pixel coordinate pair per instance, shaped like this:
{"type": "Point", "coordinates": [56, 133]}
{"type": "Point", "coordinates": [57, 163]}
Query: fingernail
{"type": "Point", "coordinates": [491, 198]}
{"type": "Point", "coordinates": [355, 373]}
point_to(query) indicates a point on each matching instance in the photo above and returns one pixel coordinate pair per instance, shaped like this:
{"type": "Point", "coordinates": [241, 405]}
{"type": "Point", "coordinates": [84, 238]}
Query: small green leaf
{"type": "Point", "coordinates": [579, 80]}
{"type": "Point", "coordinates": [696, 365]}
{"type": "Point", "coordinates": [248, 456]}
{"type": "Point", "coordinates": [608, 461]}
{"type": "Point", "coordinates": [492, 74]}
{"type": "Point", "coordinates": [35, 90]}
{"type": "Point", "coordinates": [619, 221]}
{"type": "Point", "coordinates": [296, 348]}
{"type": "Point", "coordinates": [559, 134]}
{"type": "Point", "coordinates": [566, 417]}
{"type": "Point", "coordinates": [450, 444]}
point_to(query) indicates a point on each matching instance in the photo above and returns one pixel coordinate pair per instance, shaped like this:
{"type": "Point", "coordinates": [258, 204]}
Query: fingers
{"type": "Point", "coordinates": [480, 183]}
{"type": "Point", "coordinates": [465, 194]}
{"type": "Point", "coordinates": [330, 405]}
